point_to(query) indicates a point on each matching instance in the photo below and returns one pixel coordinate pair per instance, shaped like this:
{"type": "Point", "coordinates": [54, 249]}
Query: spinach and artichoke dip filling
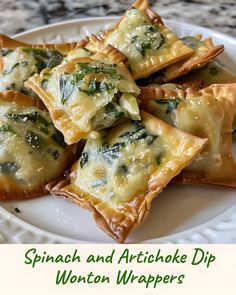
{"type": "Point", "coordinates": [31, 149]}
{"type": "Point", "coordinates": [22, 63]}
{"type": "Point", "coordinates": [115, 167]}
{"type": "Point", "coordinates": [149, 45]}
{"type": "Point", "coordinates": [212, 73]}
{"type": "Point", "coordinates": [98, 88]}
{"type": "Point", "coordinates": [137, 37]}
{"type": "Point", "coordinates": [200, 116]}
{"type": "Point", "coordinates": [192, 42]}
{"type": "Point", "coordinates": [84, 95]}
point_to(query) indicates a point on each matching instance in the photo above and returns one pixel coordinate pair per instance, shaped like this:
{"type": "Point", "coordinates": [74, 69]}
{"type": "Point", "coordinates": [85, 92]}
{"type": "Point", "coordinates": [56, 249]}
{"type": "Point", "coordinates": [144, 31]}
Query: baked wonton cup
{"type": "Point", "coordinates": [19, 61]}
{"type": "Point", "coordinates": [120, 171]}
{"type": "Point", "coordinates": [141, 36]}
{"type": "Point", "coordinates": [207, 113]}
{"type": "Point", "coordinates": [87, 94]}
{"type": "Point", "coordinates": [33, 152]}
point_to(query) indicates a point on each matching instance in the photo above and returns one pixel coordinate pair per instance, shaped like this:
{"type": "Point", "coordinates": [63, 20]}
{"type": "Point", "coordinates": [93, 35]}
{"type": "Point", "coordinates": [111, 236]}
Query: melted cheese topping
{"type": "Point", "coordinates": [132, 33]}
{"type": "Point", "coordinates": [80, 107]}
{"type": "Point", "coordinates": [91, 100]}
{"type": "Point", "coordinates": [18, 66]}
{"type": "Point", "coordinates": [132, 160]}
{"type": "Point", "coordinates": [29, 149]}
{"type": "Point", "coordinates": [200, 116]}
{"type": "Point", "coordinates": [118, 169]}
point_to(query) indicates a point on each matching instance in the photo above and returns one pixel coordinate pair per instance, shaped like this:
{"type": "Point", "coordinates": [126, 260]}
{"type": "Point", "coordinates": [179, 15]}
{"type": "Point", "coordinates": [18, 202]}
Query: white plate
{"type": "Point", "coordinates": [181, 214]}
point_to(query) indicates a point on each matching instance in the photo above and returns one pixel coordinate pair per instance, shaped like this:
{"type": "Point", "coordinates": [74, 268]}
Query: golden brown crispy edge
{"type": "Point", "coordinates": [193, 63]}
{"type": "Point", "coordinates": [22, 99]}
{"type": "Point", "coordinates": [158, 92]}
{"type": "Point", "coordinates": [145, 6]}
{"type": "Point", "coordinates": [63, 48]}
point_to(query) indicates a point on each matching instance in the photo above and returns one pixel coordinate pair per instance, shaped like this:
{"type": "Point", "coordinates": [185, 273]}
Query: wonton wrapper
{"type": "Point", "coordinates": [71, 119]}
{"type": "Point", "coordinates": [206, 113]}
{"type": "Point", "coordinates": [132, 193]}
{"type": "Point", "coordinates": [203, 53]}
{"type": "Point", "coordinates": [12, 188]}
{"type": "Point", "coordinates": [211, 73]}
{"type": "Point", "coordinates": [170, 52]}
{"type": "Point", "coordinates": [19, 61]}
{"type": "Point", "coordinates": [63, 48]}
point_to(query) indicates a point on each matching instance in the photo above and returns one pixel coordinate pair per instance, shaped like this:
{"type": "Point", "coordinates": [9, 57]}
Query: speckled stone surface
{"type": "Point", "coordinates": [21, 15]}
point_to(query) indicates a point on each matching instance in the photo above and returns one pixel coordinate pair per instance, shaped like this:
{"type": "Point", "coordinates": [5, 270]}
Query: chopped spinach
{"type": "Point", "coordinates": [111, 152]}
{"type": "Point", "coordinates": [55, 155]}
{"type": "Point", "coordinates": [150, 38]}
{"type": "Point", "coordinates": [6, 128]}
{"type": "Point", "coordinates": [8, 167]}
{"type": "Point", "coordinates": [83, 159]}
{"type": "Point", "coordinates": [133, 39]}
{"type": "Point", "coordinates": [139, 125]}
{"type": "Point", "coordinates": [44, 129]}
{"type": "Point", "coordinates": [45, 58]}
{"type": "Point", "coordinates": [11, 87]}
{"type": "Point", "coordinates": [22, 117]}
{"type": "Point", "coordinates": [5, 51]}
{"type": "Point", "coordinates": [32, 117]}
{"type": "Point", "coordinates": [213, 71]}
{"type": "Point", "coordinates": [66, 87]}
{"type": "Point", "coordinates": [24, 63]}
{"type": "Point", "coordinates": [33, 139]}
{"type": "Point", "coordinates": [95, 86]}
{"type": "Point", "coordinates": [139, 133]}
{"type": "Point", "coordinates": [127, 134]}
{"type": "Point", "coordinates": [44, 84]}
{"type": "Point", "coordinates": [150, 28]}
{"type": "Point", "coordinates": [87, 68]}
{"type": "Point", "coordinates": [58, 138]}
{"type": "Point", "coordinates": [69, 81]}
{"type": "Point", "coordinates": [42, 120]}
{"type": "Point", "coordinates": [43, 124]}
{"type": "Point", "coordinates": [143, 46]}
{"type": "Point", "coordinates": [122, 169]}
{"type": "Point", "coordinates": [191, 42]}
{"type": "Point", "coordinates": [151, 138]}
{"type": "Point", "coordinates": [114, 111]}
{"type": "Point", "coordinates": [158, 159]}
{"type": "Point", "coordinates": [170, 104]}
{"type": "Point", "coordinates": [130, 134]}
{"type": "Point", "coordinates": [7, 72]}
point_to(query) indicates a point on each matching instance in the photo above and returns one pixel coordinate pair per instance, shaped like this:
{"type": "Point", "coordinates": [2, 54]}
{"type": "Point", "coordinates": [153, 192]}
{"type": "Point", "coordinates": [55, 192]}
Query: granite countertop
{"type": "Point", "coordinates": [21, 15]}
